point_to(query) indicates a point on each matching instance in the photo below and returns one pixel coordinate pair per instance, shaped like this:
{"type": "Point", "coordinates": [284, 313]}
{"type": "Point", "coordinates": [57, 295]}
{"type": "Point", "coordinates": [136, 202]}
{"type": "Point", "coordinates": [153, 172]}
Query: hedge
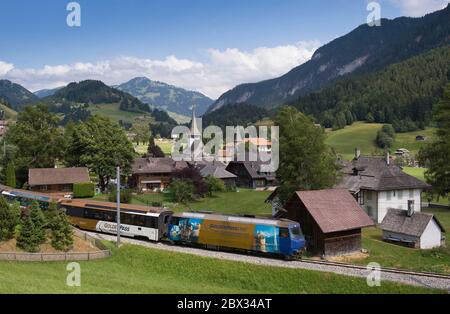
{"type": "Point", "coordinates": [84, 190]}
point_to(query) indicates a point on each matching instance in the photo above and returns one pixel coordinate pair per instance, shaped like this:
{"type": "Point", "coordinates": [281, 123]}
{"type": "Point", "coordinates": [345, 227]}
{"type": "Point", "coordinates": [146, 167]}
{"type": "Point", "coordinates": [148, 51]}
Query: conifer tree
{"type": "Point", "coordinates": [11, 175]}
{"type": "Point", "coordinates": [62, 234]}
{"type": "Point", "coordinates": [39, 223]}
{"type": "Point", "coordinates": [27, 239]}
{"type": "Point", "coordinates": [8, 220]}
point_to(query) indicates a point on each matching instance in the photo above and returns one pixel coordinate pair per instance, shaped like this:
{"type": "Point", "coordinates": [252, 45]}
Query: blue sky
{"type": "Point", "coordinates": [190, 43]}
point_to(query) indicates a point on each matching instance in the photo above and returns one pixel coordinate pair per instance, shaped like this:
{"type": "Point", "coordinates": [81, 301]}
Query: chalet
{"type": "Point", "coordinates": [3, 127]}
{"type": "Point", "coordinates": [331, 220]}
{"type": "Point", "coordinates": [54, 180]}
{"type": "Point", "coordinates": [217, 170]}
{"type": "Point", "coordinates": [154, 174]}
{"type": "Point", "coordinates": [249, 175]}
{"type": "Point", "coordinates": [378, 184]}
{"type": "Point", "coordinates": [418, 230]}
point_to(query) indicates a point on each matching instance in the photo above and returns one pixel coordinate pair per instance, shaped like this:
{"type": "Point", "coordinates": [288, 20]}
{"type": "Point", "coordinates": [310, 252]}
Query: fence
{"type": "Point", "coordinates": [103, 252]}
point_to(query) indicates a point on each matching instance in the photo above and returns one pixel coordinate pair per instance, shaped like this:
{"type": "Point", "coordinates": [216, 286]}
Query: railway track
{"type": "Point", "coordinates": [424, 279]}
{"type": "Point", "coordinates": [382, 269]}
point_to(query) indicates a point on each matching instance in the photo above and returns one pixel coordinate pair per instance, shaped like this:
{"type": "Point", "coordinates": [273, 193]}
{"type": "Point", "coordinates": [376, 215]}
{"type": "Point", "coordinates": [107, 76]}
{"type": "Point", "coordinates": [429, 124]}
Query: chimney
{"type": "Point", "coordinates": [388, 158]}
{"type": "Point", "coordinates": [410, 208]}
{"type": "Point", "coordinates": [357, 153]}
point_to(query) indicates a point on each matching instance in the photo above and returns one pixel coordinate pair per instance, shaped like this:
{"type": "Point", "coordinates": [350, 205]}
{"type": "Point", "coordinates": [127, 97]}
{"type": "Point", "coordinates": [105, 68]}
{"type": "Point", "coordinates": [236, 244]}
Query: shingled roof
{"type": "Point", "coordinates": [334, 210]}
{"type": "Point", "coordinates": [253, 169]}
{"type": "Point", "coordinates": [50, 176]}
{"type": "Point", "coordinates": [397, 220]}
{"type": "Point", "coordinates": [157, 165]}
{"type": "Point", "coordinates": [374, 173]}
{"type": "Point", "coordinates": [216, 171]}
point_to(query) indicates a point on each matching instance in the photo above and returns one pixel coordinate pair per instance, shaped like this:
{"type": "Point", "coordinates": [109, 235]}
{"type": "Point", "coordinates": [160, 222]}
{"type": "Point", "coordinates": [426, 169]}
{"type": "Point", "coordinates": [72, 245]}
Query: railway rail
{"type": "Point", "coordinates": [424, 279]}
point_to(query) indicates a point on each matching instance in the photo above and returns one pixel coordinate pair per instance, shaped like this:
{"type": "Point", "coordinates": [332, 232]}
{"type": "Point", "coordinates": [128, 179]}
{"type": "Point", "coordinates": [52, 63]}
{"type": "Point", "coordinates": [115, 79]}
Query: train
{"type": "Point", "coordinates": [204, 229]}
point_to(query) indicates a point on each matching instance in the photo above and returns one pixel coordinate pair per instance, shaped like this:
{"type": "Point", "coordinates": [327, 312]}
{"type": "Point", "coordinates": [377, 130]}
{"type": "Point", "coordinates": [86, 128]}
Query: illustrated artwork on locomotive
{"type": "Point", "coordinates": [281, 237]}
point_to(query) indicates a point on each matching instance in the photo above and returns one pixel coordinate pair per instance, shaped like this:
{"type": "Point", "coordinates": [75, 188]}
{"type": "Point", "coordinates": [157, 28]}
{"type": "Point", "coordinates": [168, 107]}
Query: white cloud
{"type": "Point", "coordinates": [5, 68]}
{"type": "Point", "coordinates": [418, 8]}
{"type": "Point", "coordinates": [221, 71]}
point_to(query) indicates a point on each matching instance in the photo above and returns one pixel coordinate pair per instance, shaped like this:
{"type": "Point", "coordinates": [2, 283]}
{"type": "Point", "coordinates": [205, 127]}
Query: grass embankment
{"type": "Point", "coordinates": [165, 145]}
{"type": "Point", "coordinates": [113, 112]}
{"type": "Point", "coordinates": [134, 269]}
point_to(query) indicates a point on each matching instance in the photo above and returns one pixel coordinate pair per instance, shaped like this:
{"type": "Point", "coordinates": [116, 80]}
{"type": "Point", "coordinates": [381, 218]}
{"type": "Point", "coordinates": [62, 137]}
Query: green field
{"type": "Point", "coordinates": [134, 269]}
{"type": "Point", "coordinates": [243, 202]}
{"type": "Point", "coordinates": [9, 113]}
{"type": "Point", "coordinates": [359, 135]}
{"type": "Point", "coordinates": [113, 112]}
{"type": "Point", "coordinates": [165, 145]}
{"type": "Point", "coordinates": [362, 135]}
{"type": "Point", "coordinates": [391, 255]}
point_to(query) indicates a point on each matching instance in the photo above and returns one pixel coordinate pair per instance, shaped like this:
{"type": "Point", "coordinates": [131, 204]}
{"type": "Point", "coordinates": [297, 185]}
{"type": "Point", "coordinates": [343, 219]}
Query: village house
{"type": "Point", "coordinates": [331, 220]}
{"type": "Point", "coordinates": [249, 175]}
{"type": "Point", "coordinates": [216, 169]}
{"type": "Point", "coordinates": [54, 180]}
{"type": "Point", "coordinates": [154, 174]}
{"type": "Point", "coordinates": [3, 127]}
{"type": "Point", "coordinates": [418, 230]}
{"type": "Point", "coordinates": [378, 184]}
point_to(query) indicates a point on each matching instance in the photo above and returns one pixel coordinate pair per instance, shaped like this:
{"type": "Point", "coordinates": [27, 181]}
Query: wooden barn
{"type": "Point", "coordinates": [331, 221]}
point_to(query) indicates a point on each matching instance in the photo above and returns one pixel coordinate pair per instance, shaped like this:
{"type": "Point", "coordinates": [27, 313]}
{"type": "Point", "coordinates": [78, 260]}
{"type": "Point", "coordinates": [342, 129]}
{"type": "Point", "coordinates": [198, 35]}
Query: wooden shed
{"type": "Point", "coordinates": [331, 220]}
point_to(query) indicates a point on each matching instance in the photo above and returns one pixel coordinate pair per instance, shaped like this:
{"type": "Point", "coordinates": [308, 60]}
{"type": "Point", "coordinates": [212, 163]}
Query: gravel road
{"type": "Point", "coordinates": [430, 282]}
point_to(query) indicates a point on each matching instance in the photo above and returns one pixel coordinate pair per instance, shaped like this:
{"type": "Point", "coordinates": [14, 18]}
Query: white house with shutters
{"type": "Point", "coordinates": [379, 185]}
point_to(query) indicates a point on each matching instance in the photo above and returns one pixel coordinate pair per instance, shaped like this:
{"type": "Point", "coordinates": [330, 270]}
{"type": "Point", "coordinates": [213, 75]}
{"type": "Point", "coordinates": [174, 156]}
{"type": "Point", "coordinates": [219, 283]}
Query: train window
{"type": "Point", "coordinates": [166, 219]}
{"type": "Point", "coordinates": [151, 222]}
{"type": "Point", "coordinates": [74, 211]}
{"type": "Point", "coordinates": [284, 233]}
{"type": "Point", "coordinates": [295, 231]}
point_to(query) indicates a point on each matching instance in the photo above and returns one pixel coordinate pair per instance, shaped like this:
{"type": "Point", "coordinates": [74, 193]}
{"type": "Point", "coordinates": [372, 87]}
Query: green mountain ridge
{"type": "Point", "coordinates": [364, 50]}
{"type": "Point", "coordinates": [16, 95]}
{"type": "Point", "coordinates": [401, 93]}
{"type": "Point", "coordinates": [167, 97]}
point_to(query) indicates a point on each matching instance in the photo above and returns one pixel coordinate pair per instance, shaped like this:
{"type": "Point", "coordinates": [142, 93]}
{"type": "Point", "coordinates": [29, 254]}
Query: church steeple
{"type": "Point", "coordinates": [195, 132]}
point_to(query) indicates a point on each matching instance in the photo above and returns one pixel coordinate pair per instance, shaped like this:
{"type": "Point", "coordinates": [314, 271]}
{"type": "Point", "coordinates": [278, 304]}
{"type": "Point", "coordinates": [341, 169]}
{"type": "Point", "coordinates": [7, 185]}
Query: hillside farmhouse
{"type": "Point", "coordinates": [154, 174]}
{"type": "Point", "coordinates": [331, 220]}
{"type": "Point", "coordinates": [378, 185]}
{"type": "Point", "coordinates": [418, 230]}
{"type": "Point", "coordinates": [54, 180]}
{"type": "Point", "coordinates": [249, 174]}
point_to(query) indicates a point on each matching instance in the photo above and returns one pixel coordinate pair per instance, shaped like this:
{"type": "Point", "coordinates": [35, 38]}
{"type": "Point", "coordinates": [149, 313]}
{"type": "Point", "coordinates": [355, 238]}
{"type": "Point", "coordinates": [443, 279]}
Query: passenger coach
{"type": "Point", "coordinates": [135, 221]}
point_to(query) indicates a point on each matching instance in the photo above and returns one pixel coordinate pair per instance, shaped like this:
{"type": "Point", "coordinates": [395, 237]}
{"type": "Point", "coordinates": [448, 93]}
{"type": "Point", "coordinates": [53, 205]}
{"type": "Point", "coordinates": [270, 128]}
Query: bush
{"type": "Point", "coordinates": [125, 195]}
{"type": "Point", "coordinates": [214, 185]}
{"type": "Point", "coordinates": [383, 140]}
{"type": "Point", "coordinates": [182, 191]}
{"type": "Point", "coordinates": [11, 175]}
{"type": "Point", "coordinates": [84, 190]}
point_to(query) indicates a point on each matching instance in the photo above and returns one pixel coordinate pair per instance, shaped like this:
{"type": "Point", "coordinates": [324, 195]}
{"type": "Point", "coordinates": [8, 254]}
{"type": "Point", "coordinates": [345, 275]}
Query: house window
{"type": "Point", "coordinates": [369, 195]}
{"type": "Point", "coordinates": [411, 193]}
{"type": "Point", "coordinates": [44, 188]}
{"type": "Point", "coordinates": [400, 195]}
{"type": "Point", "coordinates": [388, 195]}
{"type": "Point", "coordinates": [361, 198]}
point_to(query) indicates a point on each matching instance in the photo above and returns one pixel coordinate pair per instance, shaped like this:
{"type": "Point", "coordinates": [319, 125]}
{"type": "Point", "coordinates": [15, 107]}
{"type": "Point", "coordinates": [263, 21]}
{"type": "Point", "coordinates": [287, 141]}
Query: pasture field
{"type": "Point", "coordinates": [243, 202]}
{"type": "Point", "coordinates": [359, 135]}
{"type": "Point", "coordinates": [113, 112]}
{"type": "Point", "coordinates": [165, 145]}
{"type": "Point", "coordinates": [362, 135]}
{"type": "Point", "coordinates": [135, 269]}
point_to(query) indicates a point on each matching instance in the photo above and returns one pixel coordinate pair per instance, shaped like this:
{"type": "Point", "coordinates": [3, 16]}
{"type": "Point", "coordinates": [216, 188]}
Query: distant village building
{"type": "Point", "coordinates": [249, 175]}
{"type": "Point", "coordinates": [418, 230]}
{"type": "Point", "coordinates": [402, 152]}
{"type": "Point", "coordinates": [154, 174]}
{"type": "Point", "coordinates": [331, 220]}
{"type": "Point", "coordinates": [421, 138]}
{"type": "Point", "coordinates": [3, 127]}
{"type": "Point", "coordinates": [53, 180]}
{"type": "Point", "coordinates": [378, 184]}
{"type": "Point", "coordinates": [217, 170]}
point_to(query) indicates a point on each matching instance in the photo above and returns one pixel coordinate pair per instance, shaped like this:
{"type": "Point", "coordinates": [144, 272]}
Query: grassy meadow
{"type": "Point", "coordinates": [362, 135]}
{"type": "Point", "coordinates": [134, 269]}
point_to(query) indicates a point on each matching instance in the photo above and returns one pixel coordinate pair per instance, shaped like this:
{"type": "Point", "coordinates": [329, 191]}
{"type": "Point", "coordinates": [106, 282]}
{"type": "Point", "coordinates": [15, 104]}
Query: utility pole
{"type": "Point", "coordinates": [118, 207]}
